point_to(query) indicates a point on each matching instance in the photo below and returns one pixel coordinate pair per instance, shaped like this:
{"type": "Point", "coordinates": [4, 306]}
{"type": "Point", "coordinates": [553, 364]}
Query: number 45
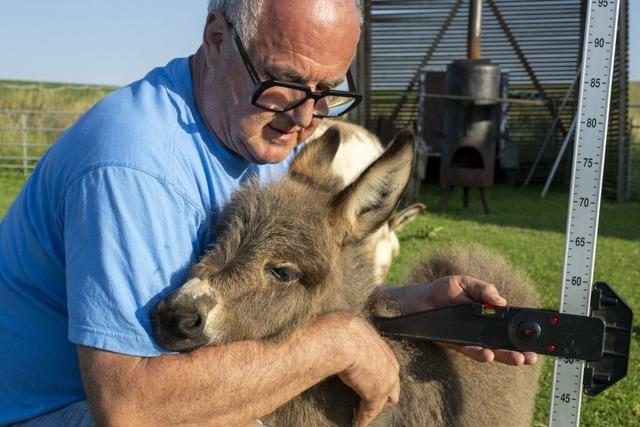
{"type": "Point", "coordinates": [565, 397]}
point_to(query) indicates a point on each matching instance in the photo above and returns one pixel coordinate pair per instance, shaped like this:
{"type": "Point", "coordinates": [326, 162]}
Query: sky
{"type": "Point", "coordinates": [110, 42]}
{"type": "Point", "coordinates": [118, 41]}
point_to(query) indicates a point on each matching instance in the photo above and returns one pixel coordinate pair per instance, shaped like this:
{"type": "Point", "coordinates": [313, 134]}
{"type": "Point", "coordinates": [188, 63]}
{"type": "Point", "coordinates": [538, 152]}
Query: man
{"type": "Point", "coordinates": [118, 209]}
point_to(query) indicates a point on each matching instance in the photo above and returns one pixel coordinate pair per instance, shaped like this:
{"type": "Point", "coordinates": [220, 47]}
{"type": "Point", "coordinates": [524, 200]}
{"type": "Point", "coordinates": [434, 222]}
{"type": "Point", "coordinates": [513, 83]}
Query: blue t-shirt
{"type": "Point", "coordinates": [109, 222]}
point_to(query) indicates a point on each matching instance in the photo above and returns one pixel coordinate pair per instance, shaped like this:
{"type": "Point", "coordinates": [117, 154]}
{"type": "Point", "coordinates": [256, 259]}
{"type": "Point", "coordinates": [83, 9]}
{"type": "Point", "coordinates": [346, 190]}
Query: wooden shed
{"type": "Point", "coordinates": [538, 43]}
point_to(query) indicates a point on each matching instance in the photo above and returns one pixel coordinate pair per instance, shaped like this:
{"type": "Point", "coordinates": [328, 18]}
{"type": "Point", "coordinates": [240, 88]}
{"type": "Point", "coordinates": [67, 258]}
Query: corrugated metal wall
{"type": "Point", "coordinates": [537, 42]}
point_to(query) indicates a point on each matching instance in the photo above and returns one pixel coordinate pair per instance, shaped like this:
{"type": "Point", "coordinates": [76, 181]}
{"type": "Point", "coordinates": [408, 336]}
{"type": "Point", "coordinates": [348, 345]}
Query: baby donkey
{"type": "Point", "coordinates": [290, 251]}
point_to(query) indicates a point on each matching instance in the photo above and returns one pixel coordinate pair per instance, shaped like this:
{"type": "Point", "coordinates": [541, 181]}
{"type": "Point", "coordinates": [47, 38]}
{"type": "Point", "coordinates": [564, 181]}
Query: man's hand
{"type": "Point", "coordinates": [374, 371]}
{"type": "Point", "coordinates": [452, 290]}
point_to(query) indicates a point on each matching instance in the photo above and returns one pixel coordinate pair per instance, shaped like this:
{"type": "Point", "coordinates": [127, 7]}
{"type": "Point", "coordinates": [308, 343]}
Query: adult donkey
{"type": "Point", "coordinates": [291, 251]}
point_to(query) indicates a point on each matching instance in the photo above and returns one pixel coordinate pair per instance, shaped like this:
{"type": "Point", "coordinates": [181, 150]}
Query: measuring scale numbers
{"type": "Point", "coordinates": [584, 203]}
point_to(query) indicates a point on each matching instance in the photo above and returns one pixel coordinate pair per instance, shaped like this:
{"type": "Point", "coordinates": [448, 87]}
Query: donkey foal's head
{"type": "Point", "coordinates": [287, 252]}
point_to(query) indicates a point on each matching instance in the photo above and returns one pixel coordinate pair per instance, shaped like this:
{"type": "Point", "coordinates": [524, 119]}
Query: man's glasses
{"type": "Point", "coordinates": [279, 95]}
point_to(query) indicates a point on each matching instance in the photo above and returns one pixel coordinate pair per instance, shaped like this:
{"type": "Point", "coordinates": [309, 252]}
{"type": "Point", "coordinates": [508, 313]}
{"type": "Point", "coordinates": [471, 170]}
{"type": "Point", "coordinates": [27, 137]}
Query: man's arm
{"type": "Point", "coordinates": [237, 383]}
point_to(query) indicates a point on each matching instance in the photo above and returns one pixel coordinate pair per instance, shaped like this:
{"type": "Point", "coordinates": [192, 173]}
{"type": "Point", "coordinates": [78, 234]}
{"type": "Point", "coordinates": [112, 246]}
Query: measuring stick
{"type": "Point", "coordinates": [584, 198]}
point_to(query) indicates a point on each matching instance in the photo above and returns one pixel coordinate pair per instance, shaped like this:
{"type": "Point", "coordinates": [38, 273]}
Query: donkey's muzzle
{"type": "Point", "coordinates": [179, 322]}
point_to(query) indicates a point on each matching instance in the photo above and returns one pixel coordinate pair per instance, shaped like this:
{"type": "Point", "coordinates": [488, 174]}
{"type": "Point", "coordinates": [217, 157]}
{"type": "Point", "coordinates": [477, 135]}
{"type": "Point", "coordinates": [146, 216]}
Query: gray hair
{"type": "Point", "coordinates": [244, 15]}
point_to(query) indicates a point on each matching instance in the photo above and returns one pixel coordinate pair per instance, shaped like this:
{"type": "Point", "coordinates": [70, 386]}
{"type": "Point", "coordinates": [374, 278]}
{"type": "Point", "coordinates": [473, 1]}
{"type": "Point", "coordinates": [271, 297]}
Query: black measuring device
{"type": "Point", "coordinates": [602, 339]}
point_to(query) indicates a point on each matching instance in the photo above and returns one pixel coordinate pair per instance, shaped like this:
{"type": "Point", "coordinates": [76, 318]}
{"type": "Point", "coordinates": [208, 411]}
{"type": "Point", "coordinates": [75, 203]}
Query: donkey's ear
{"type": "Point", "coordinates": [405, 216]}
{"type": "Point", "coordinates": [313, 162]}
{"type": "Point", "coordinates": [366, 204]}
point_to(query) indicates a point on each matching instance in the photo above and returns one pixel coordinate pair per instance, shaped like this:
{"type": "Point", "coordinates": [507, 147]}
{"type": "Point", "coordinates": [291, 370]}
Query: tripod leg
{"type": "Point", "coordinates": [485, 200]}
{"type": "Point", "coordinates": [465, 198]}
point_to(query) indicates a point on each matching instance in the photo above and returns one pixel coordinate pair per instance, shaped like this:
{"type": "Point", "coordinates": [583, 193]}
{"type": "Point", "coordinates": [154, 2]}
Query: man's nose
{"type": "Point", "coordinates": [302, 115]}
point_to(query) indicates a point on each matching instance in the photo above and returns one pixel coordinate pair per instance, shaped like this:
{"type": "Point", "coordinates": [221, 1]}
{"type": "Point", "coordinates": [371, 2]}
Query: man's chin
{"type": "Point", "coordinates": [272, 152]}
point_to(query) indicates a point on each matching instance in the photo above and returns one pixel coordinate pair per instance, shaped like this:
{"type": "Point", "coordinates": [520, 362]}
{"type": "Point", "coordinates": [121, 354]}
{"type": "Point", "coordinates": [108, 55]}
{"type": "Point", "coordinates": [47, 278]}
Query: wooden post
{"type": "Point", "coordinates": [622, 98]}
{"type": "Point", "coordinates": [25, 149]}
{"type": "Point", "coordinates": [359, 70]}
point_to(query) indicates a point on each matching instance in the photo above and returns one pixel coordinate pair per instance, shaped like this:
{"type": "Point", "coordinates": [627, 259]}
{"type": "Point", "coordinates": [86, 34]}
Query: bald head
{"type": "Point", "coordinates": [305, 15]}
{"type": "Point", "coordinates": [245, 14]}
{"type": "Point", "coordinates": [322, 32]}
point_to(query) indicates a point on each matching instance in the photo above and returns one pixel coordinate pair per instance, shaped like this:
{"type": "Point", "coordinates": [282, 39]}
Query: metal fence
{"type": "Point", "coordinates": [26, 134]}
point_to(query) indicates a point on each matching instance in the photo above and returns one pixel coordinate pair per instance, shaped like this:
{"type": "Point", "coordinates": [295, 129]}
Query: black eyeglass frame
{"type": "Point", "coordinates": [262, 86]}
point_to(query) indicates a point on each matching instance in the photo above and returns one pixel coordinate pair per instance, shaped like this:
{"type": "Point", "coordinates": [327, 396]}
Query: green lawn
{"type": "Point", "coordinates": [529, 231]}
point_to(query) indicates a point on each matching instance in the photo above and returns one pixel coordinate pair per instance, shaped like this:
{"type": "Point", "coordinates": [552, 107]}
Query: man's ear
{"type": "Point", "coordinates": [312, 165]}
{"type": "Point", "coordinates": [366, 204]}
{"type": "Point", "coordinates": [216, 31]}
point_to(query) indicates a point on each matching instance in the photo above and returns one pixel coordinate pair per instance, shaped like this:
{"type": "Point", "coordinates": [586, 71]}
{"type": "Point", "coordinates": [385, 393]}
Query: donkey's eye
{"type": "Point", "coordinates": [283, 274]}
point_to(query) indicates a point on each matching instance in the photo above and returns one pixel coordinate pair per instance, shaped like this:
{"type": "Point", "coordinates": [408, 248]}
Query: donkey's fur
{"type": "Point", "coordinates": [294, 250]}
{"type": "Point", "coordinates": [439, 387]}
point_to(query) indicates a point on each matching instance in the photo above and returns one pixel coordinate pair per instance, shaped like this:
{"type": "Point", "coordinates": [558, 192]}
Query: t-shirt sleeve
{"type": "Point", "coordinates": [130, 238]}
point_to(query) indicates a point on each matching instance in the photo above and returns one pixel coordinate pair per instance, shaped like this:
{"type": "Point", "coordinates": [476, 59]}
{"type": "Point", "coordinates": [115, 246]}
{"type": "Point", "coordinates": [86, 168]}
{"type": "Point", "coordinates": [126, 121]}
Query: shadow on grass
{"type": "Point", "coordinates": [516, 206]}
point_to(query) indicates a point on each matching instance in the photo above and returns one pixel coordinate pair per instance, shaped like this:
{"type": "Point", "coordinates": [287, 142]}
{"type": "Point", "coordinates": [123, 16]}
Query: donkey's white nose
{"type": "Point", "coordinates": [194, 288]}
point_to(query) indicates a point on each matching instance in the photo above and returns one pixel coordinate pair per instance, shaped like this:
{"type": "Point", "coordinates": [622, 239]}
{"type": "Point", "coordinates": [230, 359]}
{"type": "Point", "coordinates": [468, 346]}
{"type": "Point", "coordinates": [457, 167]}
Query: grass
{"type": "Point", "coordinates": [528, 231]}
{"type": "Point", "coordinates": [43, 129]}
{"type": "Point", "coordinates": [49, 96]}
{"type": "Point", "coordinates": [9, 187]}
